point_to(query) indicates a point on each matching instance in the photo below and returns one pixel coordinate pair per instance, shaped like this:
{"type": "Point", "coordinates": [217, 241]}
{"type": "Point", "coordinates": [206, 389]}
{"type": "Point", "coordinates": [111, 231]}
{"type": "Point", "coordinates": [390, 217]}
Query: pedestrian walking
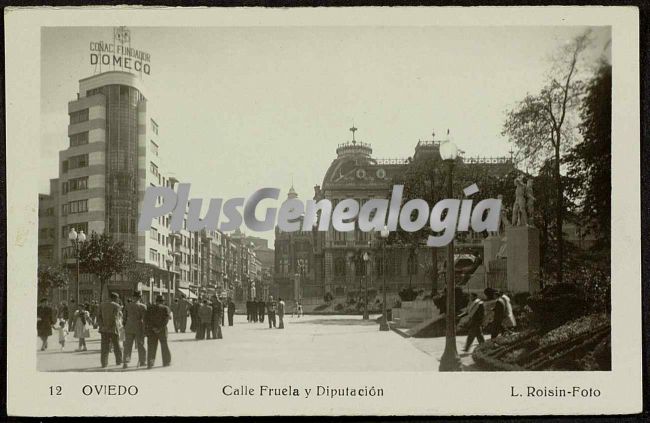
{"type": "Point", "coordinates": [156, 319]}
{"type": "Point", "coordinates": [281, 313]}
{"type": "Point", "coordinates": [503, 316]}
{"type": "Point", "coordinates": [108, 317]}
{"type": "Point", "coordinates": [62, 331]}
{"type": "Point", "coordinates": [248, 310]}
{"type": "Point", "coordinates": [183, 311]}
{"type": "Point", "coordinates": [254, 312]}
{"type": "Point", "coordinates": [260, 309]}
{"type": "Point", "coordinates": [175, 315]}
{"type": "Point", "coordinates": [44, 322]}
{"type": "Point", "coordinates": [135, 313]}
{"type": "Point", "coordinates": [270, 310]}
{"type": "Point", "coordinates": [231, 311]}
{"type": "Point", "coordinates": [472, 319]}
{"type": "Point", "coordinates": [217, 315]}
{"type": "Point", "coordinates": [194, 314]}
{"type": "Point", "coordinates": [299, 309]}
{"type": "Point", "coordinates": [82, 328]}
{"type": "Point", "coordinates": [205, 317]}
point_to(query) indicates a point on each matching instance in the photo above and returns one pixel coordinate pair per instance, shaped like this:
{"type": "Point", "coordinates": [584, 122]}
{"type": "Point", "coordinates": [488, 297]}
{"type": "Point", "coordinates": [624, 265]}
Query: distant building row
{"type": "Point", "coordinates": [113, 156]}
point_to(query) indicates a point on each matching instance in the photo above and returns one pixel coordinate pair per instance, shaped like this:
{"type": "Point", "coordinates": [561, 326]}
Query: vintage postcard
{"type": "Point", "coordinates": [346, 211]}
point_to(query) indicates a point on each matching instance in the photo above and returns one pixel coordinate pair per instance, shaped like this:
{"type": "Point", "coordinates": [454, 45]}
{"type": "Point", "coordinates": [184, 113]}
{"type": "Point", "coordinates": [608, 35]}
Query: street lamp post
{"type": "Point", "coordinates": [383, 324]}
{"type": "Point", "coordinates": [77, 239]}
{"type": "Point", "coordinates": [169, 259]}
{"type": "Point", "coordinates": [449, 361]}
{"type": "Point", "coordinates": [366, 259]}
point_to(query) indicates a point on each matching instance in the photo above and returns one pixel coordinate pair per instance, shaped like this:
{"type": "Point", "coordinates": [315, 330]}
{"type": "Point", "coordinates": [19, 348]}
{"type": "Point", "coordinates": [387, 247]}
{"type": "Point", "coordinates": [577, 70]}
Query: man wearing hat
{"type": "Point", "coordinates": [156, 320]}
{"type": "Point", "coordinates": [107, 318]}
{"type": "Point", "coordinates": [134, 314]}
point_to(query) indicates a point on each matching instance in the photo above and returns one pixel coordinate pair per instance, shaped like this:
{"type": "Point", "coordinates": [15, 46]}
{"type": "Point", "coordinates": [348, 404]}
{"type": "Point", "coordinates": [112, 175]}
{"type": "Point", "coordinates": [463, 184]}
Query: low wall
{"type": "Point", "coordinates": [414, 312]}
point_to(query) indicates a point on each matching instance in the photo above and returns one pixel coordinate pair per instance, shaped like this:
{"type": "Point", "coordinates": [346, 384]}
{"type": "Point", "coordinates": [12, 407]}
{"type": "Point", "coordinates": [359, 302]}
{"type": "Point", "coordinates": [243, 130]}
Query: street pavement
{"type": "Point", "coordinates": [308, 343]}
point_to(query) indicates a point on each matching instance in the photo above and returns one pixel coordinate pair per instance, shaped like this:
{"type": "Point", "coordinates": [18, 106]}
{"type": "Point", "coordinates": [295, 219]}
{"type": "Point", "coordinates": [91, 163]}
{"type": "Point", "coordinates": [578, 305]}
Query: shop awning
{"type": "Point", "coordinates": [186, 292]}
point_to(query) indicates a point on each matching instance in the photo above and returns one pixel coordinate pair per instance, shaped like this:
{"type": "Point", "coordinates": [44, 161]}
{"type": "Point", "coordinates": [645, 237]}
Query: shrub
{"type": "Point", "coordinates": [408, 294]}
{"type": "Point", "coordinates": [328, 297]}
{"type": "Point", "coordinates": [321, 307]}
{"type": "Point", "coordinates": [339, 307]}
{"type": "Point", "coordinates": [557, 304]}
{"type": "Point", "coordinates": [461, 300]}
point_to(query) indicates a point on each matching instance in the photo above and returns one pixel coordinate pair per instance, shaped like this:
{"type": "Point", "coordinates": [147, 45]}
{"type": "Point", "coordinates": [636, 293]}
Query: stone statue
{"type": "Point", "coordinates": [519, 216]}
{"type": "Point", "coordinates": [530, 198]}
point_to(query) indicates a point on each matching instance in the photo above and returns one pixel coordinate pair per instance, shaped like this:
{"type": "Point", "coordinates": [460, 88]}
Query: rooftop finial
{"type": "Point", "coordinates": [433, 135]}
{"type": "Point", "coordinates": [353, 130]}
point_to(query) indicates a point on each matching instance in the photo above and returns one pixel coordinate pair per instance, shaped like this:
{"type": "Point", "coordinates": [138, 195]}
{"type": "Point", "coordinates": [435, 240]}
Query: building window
{"type": "Point", "coordinates": [154, 147]}
{"type": "Point", "coordinates": [79, 139]}
{"type": "Point", "coordinates": [75, 162]}
{"type": "Point", "coordinates": [153, 255]}
{"type": "Point", "coordinates": [80, 206]}
{"type": "Point", "coordinates": [76, 184]}
{"type": "Point", "coordinates": [80, 116]}
{"type": "Point", "coordinates": [153, 234]}
{"type": "Point", "coordinates": [154, 127]}
{"type": "Point", "coordinates": [153, 168]}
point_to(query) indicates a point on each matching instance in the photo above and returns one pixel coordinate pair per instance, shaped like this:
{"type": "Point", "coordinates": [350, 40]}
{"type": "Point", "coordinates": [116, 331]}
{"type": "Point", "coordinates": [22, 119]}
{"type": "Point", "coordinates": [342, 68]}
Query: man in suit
{"type": "Point", "coordinates": [260, 310]}
{"type": "Point", "coordinates": [217, 314]}
{"type": "Point", "coordinates": [270, 310]}
{"type": "Point", "coordinates": [134, 314]}
{"type": "Point", "coordinates": [231, 311]}
{"type": "Point", "coordinates": [248, 310]}
{"type": "Point", "coordinates": [205, 318]}
{"type": "Point", "coordinates": [183, 312]}
{"type": "Point", "coordinates": [281, 313]}
{"type": "Point", "coordinates": [107, 318]}
{"type": "Point", "coordinates": [194, 314]}
{"type": "Point", "coordinates": [156, 320]}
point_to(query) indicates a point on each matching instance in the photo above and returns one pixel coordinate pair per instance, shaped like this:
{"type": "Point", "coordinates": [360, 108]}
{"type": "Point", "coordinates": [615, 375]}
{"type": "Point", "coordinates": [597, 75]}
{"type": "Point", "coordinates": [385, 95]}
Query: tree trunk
{"type": "Point", "coordinates": [559, 211]}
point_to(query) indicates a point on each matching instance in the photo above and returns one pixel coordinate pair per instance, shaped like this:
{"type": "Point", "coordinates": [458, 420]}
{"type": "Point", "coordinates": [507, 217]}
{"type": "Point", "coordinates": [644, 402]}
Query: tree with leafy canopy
{"type": "Point", "coordinates": [51, 277]}
{"type": "Point", "coordinates": [103, 257]}
{"type": "Point", "coordinates": [589, 161]}
{"type": "Point", "coordinates": [538, 124]}
{"type": "Point", "coordinates": [422, 179]}
{"type": "Point", "coordinates": [139, 272]}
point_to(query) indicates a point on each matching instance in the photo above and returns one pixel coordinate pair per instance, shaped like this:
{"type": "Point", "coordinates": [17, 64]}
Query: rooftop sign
{"type": "Point", "coordinates": [119, 53]}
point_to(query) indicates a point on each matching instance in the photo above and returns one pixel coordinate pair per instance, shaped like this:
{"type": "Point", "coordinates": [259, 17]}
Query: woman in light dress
{"type": "Point", "coordinates": [82, 326]}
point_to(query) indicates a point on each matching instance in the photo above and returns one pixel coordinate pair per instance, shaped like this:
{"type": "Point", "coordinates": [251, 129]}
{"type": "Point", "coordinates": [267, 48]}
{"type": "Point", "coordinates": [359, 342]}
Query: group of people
{"type": "Point", "coordinates": [117, 323]}
{"type": "Point", "coordinates": [496, 319]}
{"type": "Point", "coordinates": [256, 309]}
{"type": "Point", "coordinates": [64, 320]}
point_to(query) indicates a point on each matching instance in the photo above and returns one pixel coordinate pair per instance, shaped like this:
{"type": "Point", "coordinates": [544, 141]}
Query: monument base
{"type": "Point", "coordinates": [523, 259]}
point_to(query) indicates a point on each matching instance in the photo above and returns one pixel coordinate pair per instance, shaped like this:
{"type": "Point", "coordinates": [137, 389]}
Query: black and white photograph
{"type": "Point", "coordinates": [323, 199]}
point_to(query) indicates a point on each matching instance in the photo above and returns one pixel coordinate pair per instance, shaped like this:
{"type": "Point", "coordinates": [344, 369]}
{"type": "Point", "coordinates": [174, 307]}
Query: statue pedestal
{"type": "Point", "coordinates": [523, 259]}
{"type": "Point", "coordinates": [491, 246]}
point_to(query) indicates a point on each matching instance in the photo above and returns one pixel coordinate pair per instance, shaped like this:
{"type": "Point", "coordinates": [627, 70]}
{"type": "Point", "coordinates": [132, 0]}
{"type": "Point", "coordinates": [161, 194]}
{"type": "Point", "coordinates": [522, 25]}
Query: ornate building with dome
{"type": "Point", "coordinates": [309, 264]}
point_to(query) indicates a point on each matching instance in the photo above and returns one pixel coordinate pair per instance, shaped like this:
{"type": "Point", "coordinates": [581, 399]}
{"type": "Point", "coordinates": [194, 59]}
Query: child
{"type": "Point", "coordinates": [81, 327]}
{"type": "Point", "coordinates": [63, 331]}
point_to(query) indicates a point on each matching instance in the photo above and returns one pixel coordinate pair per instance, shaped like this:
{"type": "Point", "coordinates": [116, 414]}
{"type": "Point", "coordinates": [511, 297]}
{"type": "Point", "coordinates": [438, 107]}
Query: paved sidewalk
{"type": "Point", "coordinates": [309, 343]}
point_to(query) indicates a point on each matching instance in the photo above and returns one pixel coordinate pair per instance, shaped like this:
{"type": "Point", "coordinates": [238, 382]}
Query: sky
{"type": "Point", "coordinates": [240, 109]}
